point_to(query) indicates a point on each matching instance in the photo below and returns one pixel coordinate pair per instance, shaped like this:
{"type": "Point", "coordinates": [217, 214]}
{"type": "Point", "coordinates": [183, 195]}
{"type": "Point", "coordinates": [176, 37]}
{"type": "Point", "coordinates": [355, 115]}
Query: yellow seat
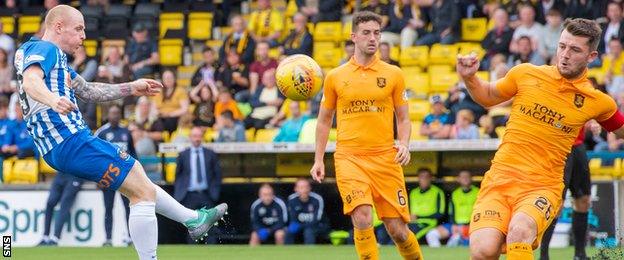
{"type": "Point", "coordinates": [438, 69]}
{"type": "Point", "coordinates": [596, 167]}
{"type": "Point", "coordinates": [500, 131]}
{"type": "Point", "coordinates": [265, 135]}
{"type": "Point", "coordinates": [418, 109]}
{"type": "Point", "coordinates": [291, 8]}
{"type": "Point", "coordinates": [483, 75]}
{"type": "Point", "coordinates": [442, 95]}
{"type": "Point", "coordinates": [415, 134]}
{"type": "Point", "coordinates": [441, 82]}
{"type": "Point", "coordinates": [473, 29]}
{"type": "Point", "coordinates": [170, 172]}
{"type": "Point", "coordinates": [274, 53]}
{"type": "Point", "coordinates": [199, 25]}
{"type": "Point", "coordinates": [395, 53]}
{"type": "Point", "coordinates": [90, 47]}
{"type": "Point", "coordinates": [598, 74]}
{"type": "Point", "coordinates": [45, 168]}
{"type": "Point", "coordinates": [170, 21]}
{"type": "Point", "coordinates": [184, 83]}
{"type": "Point", "coordinates": [414, 56]}
{"type": "Point", "coordinates": [346, 31]}
{"type": "Point", "coordinates": [214, 44]}
{"type": "Point", "coordinates": [328, 32]}
{"type": "Point", "coordinates": [327, 57]}
{"type": "Point", "coordinates": [107, 44]}
{"type": "Point", "coordinates": [8, 24]}
{"type": "Point", "coordinates": [443, 54]}
{"type": "Point", "coordinates": [24, 171]}
{"type": "Point", "coordinates": [250, 134]}
{"type": "Point", "coordinates": [28, 24]}
{"type": "Point", "coordinates": [333, 135]}
{"type": "Point", "coordinates": [166, 136]}
{"type": "Point", "coordinates": [170, 52]}
{"type": "Point", "coordinates": [7, 168]}
{"type": "Point", "coordinates": [466, 48]}
{"type": "Point", "coordinates": [418, 83]}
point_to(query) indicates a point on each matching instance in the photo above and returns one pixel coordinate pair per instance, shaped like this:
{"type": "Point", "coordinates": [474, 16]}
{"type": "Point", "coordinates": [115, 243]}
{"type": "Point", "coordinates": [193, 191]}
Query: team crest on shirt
{"type": "Point", "coordinates": [381, 82]}
{"type": "Point", "coordinates": [579, 100]}
{"type": "Point", "coordinates": [123, 154]}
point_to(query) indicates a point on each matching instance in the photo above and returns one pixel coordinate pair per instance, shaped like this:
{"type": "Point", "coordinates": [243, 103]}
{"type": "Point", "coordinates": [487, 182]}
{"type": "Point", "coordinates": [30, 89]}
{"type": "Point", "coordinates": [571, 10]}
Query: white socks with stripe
{"type": "Point", "coordinates": [144, 229]}
{"type": "Point", "coordinates": [171, 208]}
{"type": "Point", "coordinates": [433, 238]}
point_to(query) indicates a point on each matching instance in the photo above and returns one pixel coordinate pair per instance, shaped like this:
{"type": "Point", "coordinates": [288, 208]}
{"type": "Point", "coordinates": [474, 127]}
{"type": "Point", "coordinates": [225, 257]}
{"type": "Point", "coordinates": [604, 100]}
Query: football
{"type": "Point", "coordinates": [299, 77]}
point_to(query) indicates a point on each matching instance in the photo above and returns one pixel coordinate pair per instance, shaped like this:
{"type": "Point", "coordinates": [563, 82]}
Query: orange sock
{"type": "Point", "coordinates": [366, 244]}
{"type": "Point", "coordinates": [519, 251]}
{"type": "Point", "coordinates": [409, 249]}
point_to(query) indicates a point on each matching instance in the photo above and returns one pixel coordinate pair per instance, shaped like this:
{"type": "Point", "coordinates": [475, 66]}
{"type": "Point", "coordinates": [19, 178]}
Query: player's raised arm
{"type": "Point", "coordinates": [484, 93]}
{"type": "Point", "coordinates": [34, 86]}
{"type": "Point", "coordinates": [102, 92]}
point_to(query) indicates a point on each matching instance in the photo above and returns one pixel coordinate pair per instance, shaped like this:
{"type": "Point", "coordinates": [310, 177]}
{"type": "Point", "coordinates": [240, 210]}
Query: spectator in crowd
{"type": "Point", "coordinates": [206, 74]}
{"type": "Point", "coordinates": [498, 67]}
{"type": "Point", "coordinates": [489, 129]}
{"type": "Point", "coordinates": [436, 125]}
{"type": "Point", "coordinates": [460, 99]}
{"type": "Point", "coordinates": [460, 212]}
{"type": "Point", "coordinates": [528, 27]}
{"type": "Point", "coordinates": [230, 130]}
{"type": "Point", "coordinates": [464, 127]}
{"type": "Point", "coordinates": [444, 17]}
{"type": "Point", "coordinates": [64, 189]}
{"type": "Point", "coordinates": [614, 28]}
{"type": "Point", "coordinates": [596, 137]}
{"type": "Point", "coordinates": [172, 102]}
{"type": "Point", "coordinates": [198, 176]}
{"type": "Point", "coordinates": [269, 216]}
{"type": "Point", "coordinates": [204, 112]}
{"type": "Point", "coordinates": [16, 141]}
{"type": "Point", "coordinates": [6, 74]}
{"type": "Point", "coordinates": [498, 39]}
{"type": "Point", "coordinates": [85, 66]}
{"type": "Point", "coordinates": [544, 7]}
{"type": "Point", "coordinates": [266, 101]}
{"type": "Point", "coordinates": [239, 41]}
{"type": "Point", "coordinates": [145, 146]}
{"type": "Point", "coordinates": [379, 8]}
{"type": "Point", "coordinates": [406, 23]}
{"type": "Point", "coordinates": [141, 52]}
{"type": "Point", "coordinates": [5, 125]}
{"type": "Point", "coordinates": [113, 70]}
{"type": "Point", "coordinates": [146, 119]}
{"type": "Point", "coordinates": [183, 132]}
{"type": "Point", "coordinates": [7, 44]}
{"type": "Point", "coordinates": [289, 132]}
{"type": "Point", "coordinates": [285, 112]}
{"type": "Point", "coordinates": [234, 76]}
{"type": "Point", "coordinates": [266, 24]}
{"type": "Point", "coordinates": [550, 39]}
{"type": "Point", "coordinates": [122, 138]}
{"type": "Point", "coordinates": [524, 53]}
{"type": "Point", "coordinates": [427, 204]}
{"type": "Point", "coordinates": [225, 102]}
{"type": "Point", "coordinates": [612, 63]}
{"type": "Point", "coordinates": [321, 11]}
{"type": "Point", "coordinates": [262, 64]}
{"type": "Point", "coordinates": [349, 49]}
{"type": "Point", "coordinates": [305, 211]}
{"type": "Point", "coordinates": [384, 54]}
{"type": "Point", "coordinates": [587, 9]}
{"type": "Point", "coordinates": [299, 41]}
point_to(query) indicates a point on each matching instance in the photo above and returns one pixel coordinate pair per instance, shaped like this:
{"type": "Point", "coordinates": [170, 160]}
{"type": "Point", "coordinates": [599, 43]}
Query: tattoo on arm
{"type": "Point", "coordinates": [100, 92]}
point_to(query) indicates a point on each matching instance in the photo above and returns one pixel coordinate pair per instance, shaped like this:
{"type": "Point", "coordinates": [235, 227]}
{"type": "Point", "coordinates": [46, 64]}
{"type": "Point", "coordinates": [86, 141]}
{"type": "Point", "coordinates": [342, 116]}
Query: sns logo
{"type": "Point", "coordinates": [109, 176]}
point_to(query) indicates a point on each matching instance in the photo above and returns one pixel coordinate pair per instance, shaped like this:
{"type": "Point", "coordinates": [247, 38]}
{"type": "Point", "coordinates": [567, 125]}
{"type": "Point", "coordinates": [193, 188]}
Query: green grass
{"type": "Point", "coordinates": [246, 252]}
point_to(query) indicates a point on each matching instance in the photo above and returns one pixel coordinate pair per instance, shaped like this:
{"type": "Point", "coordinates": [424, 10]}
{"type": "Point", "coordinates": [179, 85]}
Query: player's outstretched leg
{"type": "Point", "coordinates": [404, 239]}
{"type": "Point", "coordinates": [364, 233]}
{"type": "Point", "coordinates": [522, 232]}
{"type": "Point", "coordinates": [485, 243]}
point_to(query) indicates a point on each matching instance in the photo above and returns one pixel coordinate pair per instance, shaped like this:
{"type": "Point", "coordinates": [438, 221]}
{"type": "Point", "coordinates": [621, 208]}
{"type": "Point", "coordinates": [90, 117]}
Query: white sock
{"type": "Point", "coordinates": [53, 239]}
{"type": "Point", "coordinates": [433, 238]}
{"type": "Point", "coordinates": [171, 208]}
{"type": "Point", "coordinates": [144, 229]}
{"type": "Point", "coordinates": [454, 240]}
{"type": "Point", "coordinates": [45, 238]}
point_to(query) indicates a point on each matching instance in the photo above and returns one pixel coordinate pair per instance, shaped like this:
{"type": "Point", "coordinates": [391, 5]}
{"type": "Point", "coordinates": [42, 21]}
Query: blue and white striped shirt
{"type": "Point", "coordinates": [47, 127]}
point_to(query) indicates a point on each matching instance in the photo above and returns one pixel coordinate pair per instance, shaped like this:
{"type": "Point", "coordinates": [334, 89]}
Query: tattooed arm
{"type": "Point", "coordinates": [102, 92]}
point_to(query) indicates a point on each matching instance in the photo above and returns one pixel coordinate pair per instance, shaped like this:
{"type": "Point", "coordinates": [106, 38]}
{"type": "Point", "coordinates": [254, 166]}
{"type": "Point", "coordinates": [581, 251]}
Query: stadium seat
{"type": "Point", "coordinates": [438, 69]}
{"type": "Point", "coordinates": [443, 54]}
{"type": "Point", "coordinates": [170, 21]}
{"type": "Point", "coordinates": [418, 109]}
{"type": "Point", "coordinates": [170, 172]}
{"type": "Point", "coordinates": [395, 53]}
{"type": "Point", "coordinates": [291, 8]}
{"type": "Point", "coordinates": [91, 47]}
{"type": "Point", "coordinates": [417, 83]}
{"type": "Point", "coordinates": [265, 135]}
{"type": "Point", "coordinates": [473, 29]}
{"type": "Point", "coordinates": [596, 167]}
{"type": "Point", "coordinates": [483, 75]}
{"type": "Point", "coordinates": [28, 25]}
{"type": "Point", "coordinates": [250, 135]}
{"type": "Point", "coordinates": [274, 53]}
{"type": "Point", "coordinates": [328, 32]}
{"type": "Point", "coordinates": [170, 52]}
{"type": "Point", "coordinates": [24, 171]}
{"type": "Point", "coordinates": [186, 72]}
{"type": "Point", "coordinates": [200, 25]}
{"type": "Point", "coordinates": [44, 168]}
{"type": "Point", "coordinates": [466, 48]}
{"type": "Point", "coordinates": [333, 135]}
{"type": "Point", "coordinates": [308, 131]}
{"type": "Point", "coordinates": [414, 56]}
{"type": "Point", "coordinates": [327, 57]}
{"type": "Point", "coordinates": [8, 24]}
{"type": "Point", "coordinates": [346, 31]}
{"type": "Point", "coordinates": [500, 131]}
{"type": "Point", "coordinates": [415, 134]}
{"type": "Point", "coordinates": [166, 136]}
{"type": "Point", "coordinates": [441, 82]}
{"type": "Point", "coordinates": [598, 74]}
{"type": "Point", "coordinates": [119, 44]}
{"type": "Point", "coordinates": [443, 95]}
{"type": "Point", "coordinates": [7, 168]}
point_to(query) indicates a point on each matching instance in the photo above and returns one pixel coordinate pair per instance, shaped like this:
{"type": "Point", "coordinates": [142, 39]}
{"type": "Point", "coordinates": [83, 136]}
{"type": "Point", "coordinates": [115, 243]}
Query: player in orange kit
{"type": "Point", "coordinates": [521, 193]}
{"type": "Point", "coordinates": [366, 93]}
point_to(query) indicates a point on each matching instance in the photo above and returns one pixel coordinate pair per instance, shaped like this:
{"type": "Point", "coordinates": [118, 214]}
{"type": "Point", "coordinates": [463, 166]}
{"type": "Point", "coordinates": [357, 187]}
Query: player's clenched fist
{"type": "Point", "coordinates": [318, 171]}
{"type": "Point", "coordinates": [467, 65]}
{"type": "Point", "coordinates": [63, 106]}
{"type": "Point", "coordinates": [146, 87]}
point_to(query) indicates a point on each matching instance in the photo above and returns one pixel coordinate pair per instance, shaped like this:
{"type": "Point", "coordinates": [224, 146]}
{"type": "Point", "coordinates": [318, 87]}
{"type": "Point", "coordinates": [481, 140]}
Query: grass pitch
{"type": "Point", "coordinates": [245, 252]}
